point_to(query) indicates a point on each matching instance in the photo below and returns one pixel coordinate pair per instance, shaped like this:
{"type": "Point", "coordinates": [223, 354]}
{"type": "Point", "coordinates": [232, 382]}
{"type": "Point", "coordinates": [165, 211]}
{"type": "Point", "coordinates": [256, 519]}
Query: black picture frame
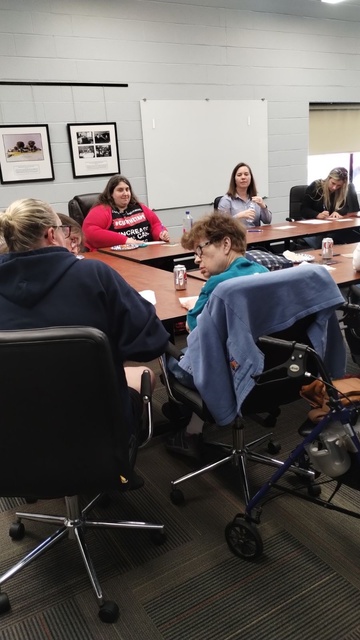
{"type": "Point", "coordinates": [25, 153]}
{"type": "Point", "coordinates": [94, 149]}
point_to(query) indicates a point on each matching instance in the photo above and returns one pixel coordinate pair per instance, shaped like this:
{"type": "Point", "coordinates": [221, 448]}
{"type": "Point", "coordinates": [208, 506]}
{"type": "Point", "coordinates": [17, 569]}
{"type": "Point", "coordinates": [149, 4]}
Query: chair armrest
{"type": "Point", "coordinates": [146, 396]}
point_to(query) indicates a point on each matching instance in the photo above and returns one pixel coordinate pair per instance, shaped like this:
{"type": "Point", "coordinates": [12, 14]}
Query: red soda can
{"type": "Point", "coordinates": [180, 277]}
{"type": "Point", "coordinates": [327, 248]}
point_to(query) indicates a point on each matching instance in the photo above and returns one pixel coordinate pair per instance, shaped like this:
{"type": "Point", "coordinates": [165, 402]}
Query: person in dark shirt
{"type": "Point", "coordinates": [42, 284]}
{"type": "Point", "coordinates": [326, 199]}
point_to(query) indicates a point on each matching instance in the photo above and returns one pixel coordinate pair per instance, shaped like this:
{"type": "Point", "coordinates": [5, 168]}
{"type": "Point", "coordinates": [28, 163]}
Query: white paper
{"type": "Point", "coordinates": [286, 226]}
{"type": "Point", "coordinates": [145, 244]}
{"type": "Point", "coordinates": [317, 221]}
{"type": "Point", "coordinates": [149, 295]}
{"type": "Point", "coordinates": [190, 299]}
{"type": "Point", "coordinates": [313, 221]}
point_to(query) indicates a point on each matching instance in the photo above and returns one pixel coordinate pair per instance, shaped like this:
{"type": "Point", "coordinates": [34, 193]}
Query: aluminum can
{"type": "Point", "coordinates": [327, 248]}
{"type": "Point", "coordinates": [180, 277]}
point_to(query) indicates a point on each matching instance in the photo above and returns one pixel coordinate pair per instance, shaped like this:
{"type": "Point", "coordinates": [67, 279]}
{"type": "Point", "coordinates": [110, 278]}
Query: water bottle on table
{"type": "Point", "coordinates": [188, 222]}
{"type": "Point", "coordinates": [252, 208]}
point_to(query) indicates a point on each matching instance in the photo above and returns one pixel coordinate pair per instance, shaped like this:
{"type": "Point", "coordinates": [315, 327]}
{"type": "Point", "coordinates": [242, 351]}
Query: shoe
{"type": "Point", "coordinates": [183, 444]}
{"type": "Point", "coordinates": [135, 481]}
{"type": "Point", "coordinates": [177, 414]}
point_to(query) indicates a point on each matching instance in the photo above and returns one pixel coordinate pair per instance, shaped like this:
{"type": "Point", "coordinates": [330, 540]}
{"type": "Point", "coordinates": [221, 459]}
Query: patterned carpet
{"type": "Point", "coordinates": [305, 585]}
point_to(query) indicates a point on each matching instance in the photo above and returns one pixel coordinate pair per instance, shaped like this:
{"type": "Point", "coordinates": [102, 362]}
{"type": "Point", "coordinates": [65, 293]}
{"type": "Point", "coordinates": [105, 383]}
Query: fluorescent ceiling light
{"type": "Point", "coordinates": [332, 1]}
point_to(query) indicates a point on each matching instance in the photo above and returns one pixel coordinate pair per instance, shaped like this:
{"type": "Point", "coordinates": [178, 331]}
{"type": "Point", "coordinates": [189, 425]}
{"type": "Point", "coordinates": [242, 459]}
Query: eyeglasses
{"type": "Point", "coordinates": [199, 249]}
{"type": "Point", "coordinates": [66, 229]}
{"type": "Point", "coordinates": [340, 172]}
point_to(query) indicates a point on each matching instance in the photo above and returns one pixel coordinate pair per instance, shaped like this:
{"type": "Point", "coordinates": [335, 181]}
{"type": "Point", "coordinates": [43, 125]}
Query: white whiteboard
{"type": "Point", "coordinates": [192, 146]}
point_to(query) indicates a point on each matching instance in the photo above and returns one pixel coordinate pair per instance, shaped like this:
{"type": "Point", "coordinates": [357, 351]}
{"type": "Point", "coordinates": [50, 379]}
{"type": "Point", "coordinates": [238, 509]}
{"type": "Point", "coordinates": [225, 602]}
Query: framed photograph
{"type": "Point", "coordinates": [94, 149]}
{"type": "Point", "coordinates": [25, 153]}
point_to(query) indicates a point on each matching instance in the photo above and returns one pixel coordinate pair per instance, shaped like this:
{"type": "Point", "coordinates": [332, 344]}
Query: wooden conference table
{"type": "Point", "coordinates": [163, 255]}
{"type": "Point", "coordinates": [142, 277]}
{"type": "Point", "coordinates": [268, 233]}
{"type": "Point", "coordinates": [341, 268]}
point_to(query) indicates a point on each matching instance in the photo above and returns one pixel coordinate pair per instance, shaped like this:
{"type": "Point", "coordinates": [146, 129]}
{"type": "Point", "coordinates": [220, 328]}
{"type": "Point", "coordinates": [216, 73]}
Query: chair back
{"type": "Point", "coordinates": [223, 354]}
{"type": "Point", "coordinates": [80, 206]}
{"type": "Point", "coordinates": [63, 426]}
{"type": "Point", "coordinates": [352, 199]}
{"type": "Point", "coordinates": [295, 199]}
{"type": "Point", "coordinates": [216, 202]}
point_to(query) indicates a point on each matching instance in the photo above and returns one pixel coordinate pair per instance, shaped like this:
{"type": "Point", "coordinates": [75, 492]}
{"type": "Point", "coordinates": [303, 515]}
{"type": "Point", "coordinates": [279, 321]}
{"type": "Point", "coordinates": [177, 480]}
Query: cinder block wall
{"type": "Point", "coordinates": [289, 52]}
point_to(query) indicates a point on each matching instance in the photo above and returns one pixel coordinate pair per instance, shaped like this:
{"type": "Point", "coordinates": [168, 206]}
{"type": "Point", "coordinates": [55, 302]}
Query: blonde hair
{"type": "Point", "coordinates": [24, 223]}
{"type": "Point", "coordinates": [323, 191]}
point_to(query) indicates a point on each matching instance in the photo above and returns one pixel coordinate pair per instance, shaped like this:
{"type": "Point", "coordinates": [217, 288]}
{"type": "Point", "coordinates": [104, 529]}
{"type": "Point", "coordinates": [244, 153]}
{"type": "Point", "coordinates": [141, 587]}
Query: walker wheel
{"type": "Point", "coordinates": [314, 490]}
{"type": "Point", "coordinates": [274, 447]}
{"type": "Point", "coordinates": [243, 539]}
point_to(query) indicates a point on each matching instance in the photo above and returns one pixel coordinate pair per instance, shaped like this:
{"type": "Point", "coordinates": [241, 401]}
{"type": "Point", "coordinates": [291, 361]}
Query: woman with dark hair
{"type": "Point", "coordinates": [119, 218]}
{"type": "Point", "coordinates": [242, 201]}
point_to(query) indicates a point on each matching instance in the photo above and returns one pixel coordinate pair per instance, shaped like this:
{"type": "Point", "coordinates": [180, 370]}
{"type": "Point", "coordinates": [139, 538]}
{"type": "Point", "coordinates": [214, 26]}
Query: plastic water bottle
{"type": "Point", "coordinates": [188, 222]}
{"type": "Point", "coordinates": [252, 207]}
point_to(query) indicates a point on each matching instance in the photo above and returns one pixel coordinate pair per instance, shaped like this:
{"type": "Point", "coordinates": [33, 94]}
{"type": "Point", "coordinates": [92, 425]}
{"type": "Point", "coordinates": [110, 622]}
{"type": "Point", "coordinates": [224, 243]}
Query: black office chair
{"type": "Point", "coordinates": [59, 442]}
{"type": "Point", "coordinates": [216, 202]}
{"type": "Point", "coordinates": [295, 199]}
{"type": "Point", "coordinates": [352, 199]}
{"type": "Point", "coordinates": [80, 206]}
{"type": "Point", "coordinates": [238, 309]}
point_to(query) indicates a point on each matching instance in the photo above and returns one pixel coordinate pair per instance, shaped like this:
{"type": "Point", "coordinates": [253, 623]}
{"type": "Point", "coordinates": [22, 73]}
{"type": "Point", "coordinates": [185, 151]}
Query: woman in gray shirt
{"type": "Point", "coordinates": [241, 201]}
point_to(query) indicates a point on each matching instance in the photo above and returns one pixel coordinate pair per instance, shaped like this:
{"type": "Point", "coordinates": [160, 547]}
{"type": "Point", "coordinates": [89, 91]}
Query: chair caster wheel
{"type": "Point", "coordinates": [4, 603]}
{"type": "Point", "coordinates": [17, 531]}
{"type": "Point", "coordinates": [109, 612]}
{"type": "Point", "coordinates": [314, 490]}
{"type": "Point", "coordinates": [158, 537]}
{"type": "Point", "coordinates": [177, 496]}
{"type": "Point", "coordinates": [243, 539]}
{"type": "Point", "coordinates": [274, 447]}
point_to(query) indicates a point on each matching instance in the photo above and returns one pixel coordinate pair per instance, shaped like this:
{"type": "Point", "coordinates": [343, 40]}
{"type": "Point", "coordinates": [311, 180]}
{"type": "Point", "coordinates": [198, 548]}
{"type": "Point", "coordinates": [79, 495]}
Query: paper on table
{"type": "Point", "coordinates": [149, 295]}
{"type": "Point", "coordinates": [189, 302]}
{"type": "Point", "coordinates": [313, 221]}
{"type": "Point", "coordinates": [317, 221]}
{"type": "Point", "coordinates": [347, 255]}
{"type": "Point", "coordinates": [287, 226]}
{"type": "Point", "coordinates": [145, 244]}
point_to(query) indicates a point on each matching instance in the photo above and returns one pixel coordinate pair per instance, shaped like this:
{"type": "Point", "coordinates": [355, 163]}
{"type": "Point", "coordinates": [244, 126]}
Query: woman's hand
{"type": "Point", "coordinates": [323, 215]}
{"type": "Point", "coordinates": [133, 241]}
{"type": "Point", "coordinates": [248, 214]}
{"type": "Point", "coordinates": [164, 235]}
{"type": "Point", "coordinates": [335, 215]}
{"type": "Point", "coordinates": [258, 200]}
{"type": "Point", "coordinates": [189, 303]}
